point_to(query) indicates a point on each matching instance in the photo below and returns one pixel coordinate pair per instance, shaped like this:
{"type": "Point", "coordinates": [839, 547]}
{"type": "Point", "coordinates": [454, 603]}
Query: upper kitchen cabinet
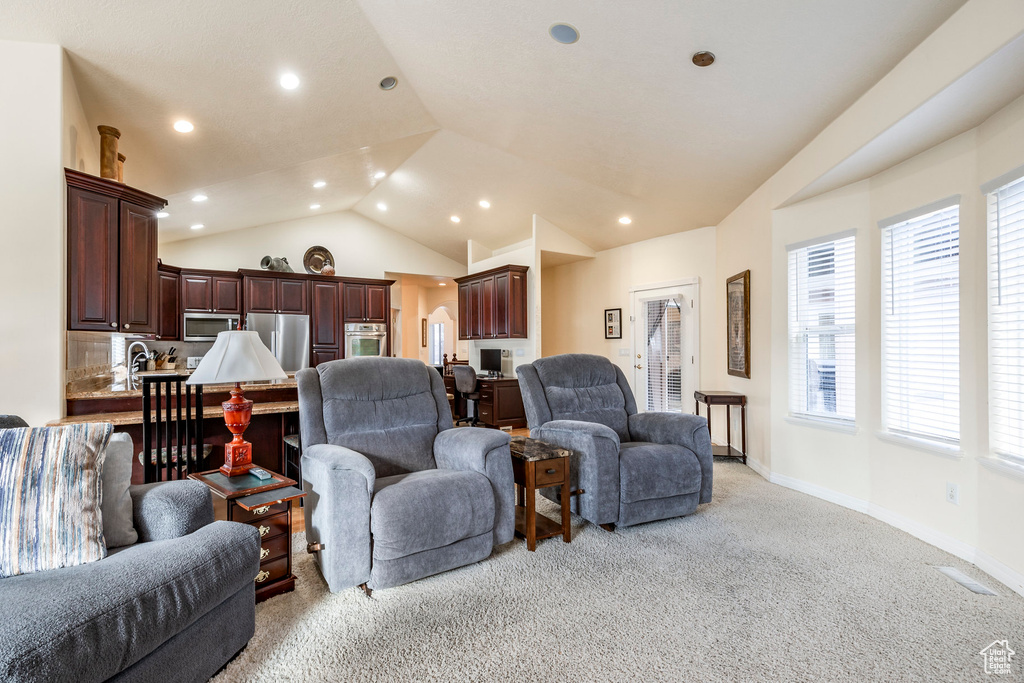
{"type": "Point", "coordinates": [112, 245]}
{"type": "Point", "coordinates": [168, 296]}
{"type": "Point", "coordinates": [210, 291]}
{"type": "Point", "coordinates": [492, 304]}
{"type": "Point", "coordinates": [275, 293]}
{"type": "Point", "coordinates": [366, 301]}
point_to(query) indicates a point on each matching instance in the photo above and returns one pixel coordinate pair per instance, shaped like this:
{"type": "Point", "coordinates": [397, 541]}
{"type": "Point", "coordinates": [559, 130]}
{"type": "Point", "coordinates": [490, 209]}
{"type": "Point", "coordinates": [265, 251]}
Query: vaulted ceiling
{"type": "Point", "coordinates": [487, 105]}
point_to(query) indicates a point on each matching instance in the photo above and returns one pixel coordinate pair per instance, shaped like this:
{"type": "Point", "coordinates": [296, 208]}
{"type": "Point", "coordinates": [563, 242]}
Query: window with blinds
{"type": "Point", "coordinates": [921, 326]}
{"type": "Point", "coordinates": [822, 352]}
{"type": "Point", "coordinates": [1006, 318]}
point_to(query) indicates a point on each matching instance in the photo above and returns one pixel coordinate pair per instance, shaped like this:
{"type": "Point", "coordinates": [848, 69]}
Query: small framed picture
{"type": "Point", "coordinates": [423, 322]}
{"type": "Point", "coordinates": [613, 323]}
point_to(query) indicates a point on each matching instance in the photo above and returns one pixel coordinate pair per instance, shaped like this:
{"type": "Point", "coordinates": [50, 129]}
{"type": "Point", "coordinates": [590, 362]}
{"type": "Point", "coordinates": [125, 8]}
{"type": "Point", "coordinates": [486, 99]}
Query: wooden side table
{"type": "Point", "coordinates": [266, 505]}
{"type": "Point", "coordinates": [537, 465]}
{"type": "Point", "coordinates": [727, 399]}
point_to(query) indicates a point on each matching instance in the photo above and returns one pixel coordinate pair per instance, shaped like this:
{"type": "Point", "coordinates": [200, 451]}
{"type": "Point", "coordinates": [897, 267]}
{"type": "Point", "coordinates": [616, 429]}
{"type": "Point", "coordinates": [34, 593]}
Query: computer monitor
{"type": "Point", "coordinates": [490, 360]}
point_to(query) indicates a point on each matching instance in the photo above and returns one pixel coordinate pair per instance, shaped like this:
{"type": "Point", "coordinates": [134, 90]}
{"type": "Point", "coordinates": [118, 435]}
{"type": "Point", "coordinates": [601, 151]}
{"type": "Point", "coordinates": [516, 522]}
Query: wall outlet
{"type": "Point", "coordinates": [952, 493]}
{"type": "Point", "coordinates": [623, 352]}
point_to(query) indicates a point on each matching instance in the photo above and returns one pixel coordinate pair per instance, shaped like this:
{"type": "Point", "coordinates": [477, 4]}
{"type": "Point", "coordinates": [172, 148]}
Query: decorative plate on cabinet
{"type": "Point", "coordinates": [316, 258]}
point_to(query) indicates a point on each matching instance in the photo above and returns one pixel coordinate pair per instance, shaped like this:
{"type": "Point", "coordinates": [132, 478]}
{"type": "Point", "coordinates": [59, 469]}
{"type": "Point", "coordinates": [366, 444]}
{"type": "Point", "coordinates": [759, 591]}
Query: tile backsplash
{"type": "Point", "coordinates": [97, 357]}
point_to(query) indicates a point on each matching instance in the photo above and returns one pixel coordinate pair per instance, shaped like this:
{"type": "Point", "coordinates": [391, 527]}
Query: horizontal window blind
{"type": "Point", "coordinates": [822, 316]}
{"type": "Point", "coordinates": [921, 326]}
{"type": "Point", "coordinates": [1006, 318]}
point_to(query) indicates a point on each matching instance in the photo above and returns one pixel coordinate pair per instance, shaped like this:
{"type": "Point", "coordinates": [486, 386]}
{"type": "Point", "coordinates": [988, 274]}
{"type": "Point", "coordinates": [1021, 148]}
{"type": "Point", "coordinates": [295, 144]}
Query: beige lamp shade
{"type": "Point", "coordinates": [237, 356]}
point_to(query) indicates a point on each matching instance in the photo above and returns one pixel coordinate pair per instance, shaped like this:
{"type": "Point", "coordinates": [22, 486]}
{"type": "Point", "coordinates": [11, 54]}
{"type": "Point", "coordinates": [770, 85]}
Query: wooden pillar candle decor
{"type": "Point", "coordinates": [120, 167]}
{"type": "Point", "coordinates": [108, 151]}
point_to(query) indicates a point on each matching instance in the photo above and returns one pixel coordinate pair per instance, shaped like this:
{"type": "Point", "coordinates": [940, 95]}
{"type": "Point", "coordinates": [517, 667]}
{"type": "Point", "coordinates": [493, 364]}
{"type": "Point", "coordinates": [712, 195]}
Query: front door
{"type": "Point", "coordinates": [665, 348]}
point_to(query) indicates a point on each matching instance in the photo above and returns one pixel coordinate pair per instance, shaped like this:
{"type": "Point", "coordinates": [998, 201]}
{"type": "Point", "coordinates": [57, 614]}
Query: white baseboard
{"type": "Point", "coordinates": [820, 492]}
{"type": "Point", "coordinates": [1008, 576]}
{"type": "Point", "coordinates": [763, 470]}
{"type": "Point", "coordinates": [999, 571]}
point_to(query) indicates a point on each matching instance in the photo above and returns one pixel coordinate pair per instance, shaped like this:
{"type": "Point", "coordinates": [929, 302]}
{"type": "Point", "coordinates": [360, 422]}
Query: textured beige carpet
{"type": "Point", "coordinates": [763, 584]}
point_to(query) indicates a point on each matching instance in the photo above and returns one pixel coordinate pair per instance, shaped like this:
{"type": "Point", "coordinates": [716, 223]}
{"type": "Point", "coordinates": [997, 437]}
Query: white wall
{"type": "Point", "coordinates": [902, 484]}
{"type": "Point", "coordinates": [81, 141]}
{"type": "Point", "coordinates": [32, 311]}
{"type": "Point", "coordinates": [576, 294]}
{"type": "Point", "coordinates": [361, 247]}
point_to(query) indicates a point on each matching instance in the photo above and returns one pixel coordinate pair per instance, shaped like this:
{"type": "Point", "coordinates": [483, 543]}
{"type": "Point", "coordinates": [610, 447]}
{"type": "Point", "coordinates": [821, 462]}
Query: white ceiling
{"type": "Point", "coordinates": [618, 123]}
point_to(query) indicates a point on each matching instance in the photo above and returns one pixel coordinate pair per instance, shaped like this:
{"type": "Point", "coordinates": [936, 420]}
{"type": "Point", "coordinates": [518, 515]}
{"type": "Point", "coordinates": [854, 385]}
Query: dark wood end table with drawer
{"type": "Point", "coordinates": [267, 505]}
{"type": "Point", "coordinates": [537, 465]}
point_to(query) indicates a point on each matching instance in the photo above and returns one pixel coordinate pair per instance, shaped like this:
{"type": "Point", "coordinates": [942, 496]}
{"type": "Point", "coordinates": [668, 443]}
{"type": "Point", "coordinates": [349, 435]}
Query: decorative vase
{"type": "Point", "coordinates": [108, 151]}
{"type": "Point", "coordinates": [327, 269]}
{"type": "Point", "coordinates": [120, 167]}
{"type": "Point", "coordinates": [276, 263]}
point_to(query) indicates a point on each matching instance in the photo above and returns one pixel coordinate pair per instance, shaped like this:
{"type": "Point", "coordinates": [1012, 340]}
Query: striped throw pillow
{"type": "Point", "coordinates": [50, 497]}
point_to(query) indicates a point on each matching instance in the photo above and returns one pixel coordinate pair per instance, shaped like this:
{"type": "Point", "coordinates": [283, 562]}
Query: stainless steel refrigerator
{"type": "Point", "coordinates": [287, 337]}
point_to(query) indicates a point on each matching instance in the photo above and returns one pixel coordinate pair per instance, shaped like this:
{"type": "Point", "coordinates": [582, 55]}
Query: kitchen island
{"type": "Point", "coordinates": [275, 414]}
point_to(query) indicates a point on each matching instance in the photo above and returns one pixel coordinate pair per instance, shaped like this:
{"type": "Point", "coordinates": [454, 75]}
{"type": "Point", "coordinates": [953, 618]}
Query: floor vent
{"type": "Point", "coordinates": [966, 581]}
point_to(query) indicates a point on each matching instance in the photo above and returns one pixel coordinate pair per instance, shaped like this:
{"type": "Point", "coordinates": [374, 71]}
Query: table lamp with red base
{"type": "Point", "coordinates": [237, 356]}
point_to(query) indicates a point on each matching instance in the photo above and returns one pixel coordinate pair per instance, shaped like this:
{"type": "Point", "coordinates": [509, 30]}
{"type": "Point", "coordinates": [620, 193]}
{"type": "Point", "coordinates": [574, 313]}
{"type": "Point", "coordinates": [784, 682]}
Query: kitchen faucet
{"type": "Point", "coordinates": [133, 368]}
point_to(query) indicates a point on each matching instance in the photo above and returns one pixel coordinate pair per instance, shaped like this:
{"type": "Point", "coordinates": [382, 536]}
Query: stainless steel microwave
{"type": "Point", "coordinates": [205, 326]}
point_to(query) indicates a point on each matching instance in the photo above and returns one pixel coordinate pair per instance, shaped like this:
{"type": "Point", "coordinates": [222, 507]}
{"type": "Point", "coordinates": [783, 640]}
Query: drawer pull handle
{"type": "Point", "coordinates": [262, 576]}
{"type": "Point", "coordinates": [261, 510]}
{"type": "Point", "coordinates": [551, 471]}
{"type": "Point", "coordinates": [264, 552]}
{"type": "Point", "coordinates": [264, 530]}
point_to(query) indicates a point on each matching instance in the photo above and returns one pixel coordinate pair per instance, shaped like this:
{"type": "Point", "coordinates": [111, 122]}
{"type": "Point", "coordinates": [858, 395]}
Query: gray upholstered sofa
{"type": "Point", "coordinates": [395, 493]}
{"type": "Point", "coordinates": [633, 467]}
{"type": "Point", "coordinates": [175, 606]}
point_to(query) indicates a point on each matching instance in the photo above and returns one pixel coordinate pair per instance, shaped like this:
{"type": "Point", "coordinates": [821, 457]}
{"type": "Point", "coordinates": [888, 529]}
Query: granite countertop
{"type": "Point", "coordinates": [135, 417]}
{"type": "Point", "coordinates": [107, 389]}
{"type": "Point", "coordinates": [531, 449]}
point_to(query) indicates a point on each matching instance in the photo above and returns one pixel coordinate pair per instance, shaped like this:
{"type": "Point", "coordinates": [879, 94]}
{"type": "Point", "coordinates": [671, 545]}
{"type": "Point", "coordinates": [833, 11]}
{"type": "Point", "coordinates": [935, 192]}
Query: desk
{"type": "Point", "coordinates": [501, 403]}
{"type": "Point", "coordinates": [727, 399]}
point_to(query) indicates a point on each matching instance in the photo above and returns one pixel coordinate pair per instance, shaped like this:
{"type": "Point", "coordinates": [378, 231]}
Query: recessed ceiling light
{"type": "Point", "coordinates": [200, 198]}
{"type": "Point", "coordinates": [442, 284]}
{"type": "Point", "coordinates": [703, 58]}
{"type": "Point", "coordinates": [162, 214]}
{"type": "Point", "coordinates": [379, 174]}
{"type": "Point", "coordinates": [289, 81]}
{"type": "Point", "coordinates": [388, 83]}
{"type": "Point", "coordinates": [314, 206]}
{"type": "Point", "coordinates": [564, 33]}
{"type": "Point", "coordinates": [320, 183]}
{"type": "Point", "coordinates": [197, 226]}
{"type": "Point", "coordinates": [455, 219]}
{"type": "Point", "coordinates": [625, 220]}
{"type": "Point", "coordinates": [382, 206]}
{"type": "Point", "coordinates": [485, 204]}
{"type": "Point", "coordinates": [183, 126]}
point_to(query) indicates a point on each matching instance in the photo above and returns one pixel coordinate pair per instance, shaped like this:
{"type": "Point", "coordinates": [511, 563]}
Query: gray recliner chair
{"type": "Point", "coordinates": [395, 492]}
{"type": "Point", "coordinates": [633, 467]}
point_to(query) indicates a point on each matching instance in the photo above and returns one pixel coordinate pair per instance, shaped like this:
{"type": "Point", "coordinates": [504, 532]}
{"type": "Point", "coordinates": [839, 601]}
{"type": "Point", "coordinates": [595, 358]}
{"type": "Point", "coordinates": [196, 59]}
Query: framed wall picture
{"type": "Point", "coordinates": [737, 292]}
{"type": "Point", "coordinates": [423, 332]}
{"type": "Point", "coordinates": [613, 323]}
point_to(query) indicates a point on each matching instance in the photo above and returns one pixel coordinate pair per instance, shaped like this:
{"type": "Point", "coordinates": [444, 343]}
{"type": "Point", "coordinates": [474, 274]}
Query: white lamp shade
{"type": "Point", "coordinates": [237, 356]}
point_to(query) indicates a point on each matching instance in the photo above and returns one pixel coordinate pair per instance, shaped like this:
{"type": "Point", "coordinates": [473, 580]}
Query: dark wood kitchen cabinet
{"type": "Point", "coordinates": [327, 331]}
{"type": "Point", "coordinates": [273, 293]}
{"type": "Point", "coordinates": [492, 304]}
{"type": "Point", "coordinates": [112, 246]}
{"type": "Point", "coordinates": [210, 291]}
{"type": "Point", "coordinates": [168, 321]}
{"type": "Point", "coordinates": [366, 301]}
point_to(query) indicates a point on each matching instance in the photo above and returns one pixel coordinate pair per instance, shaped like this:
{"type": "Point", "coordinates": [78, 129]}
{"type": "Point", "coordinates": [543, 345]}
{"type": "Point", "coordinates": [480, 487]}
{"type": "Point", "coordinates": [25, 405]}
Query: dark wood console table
{"type": "Point", "coordinates": [727, 399]}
